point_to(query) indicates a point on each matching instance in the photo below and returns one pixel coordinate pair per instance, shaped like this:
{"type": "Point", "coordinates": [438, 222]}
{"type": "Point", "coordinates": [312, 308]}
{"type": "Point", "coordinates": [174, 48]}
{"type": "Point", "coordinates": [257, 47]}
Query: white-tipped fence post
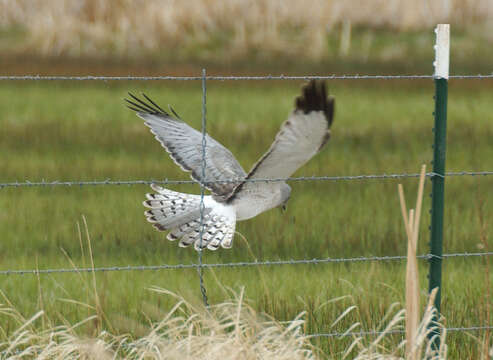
{"type": "Point", "coordinates": [441, 64]}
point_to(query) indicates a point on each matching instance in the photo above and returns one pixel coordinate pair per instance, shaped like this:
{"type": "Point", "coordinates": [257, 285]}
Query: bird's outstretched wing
{"type": "Point", "coordinates": [184, 145]}
{"type": "Point", "coordinates": [302, 135]}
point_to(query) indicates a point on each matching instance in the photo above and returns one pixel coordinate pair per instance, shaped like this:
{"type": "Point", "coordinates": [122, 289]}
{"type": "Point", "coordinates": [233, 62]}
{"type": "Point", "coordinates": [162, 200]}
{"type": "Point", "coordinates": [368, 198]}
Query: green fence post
{"type": "Point", "coordinates": [438, 180]}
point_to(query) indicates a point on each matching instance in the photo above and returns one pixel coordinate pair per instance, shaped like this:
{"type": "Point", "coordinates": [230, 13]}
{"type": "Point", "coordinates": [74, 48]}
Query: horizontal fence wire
{"type": "Point", "coordinates": [235, 264]}
{"type": "Point", "coordinates": [225, 78]}
{"type": "Point", "coordinates": [393, 331]}
{"type": "Point", "coordinates": [28, 183]}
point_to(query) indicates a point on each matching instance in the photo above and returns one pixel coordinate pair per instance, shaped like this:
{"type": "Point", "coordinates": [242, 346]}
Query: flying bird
{"type": "Point", "coordinates": [301, 136]}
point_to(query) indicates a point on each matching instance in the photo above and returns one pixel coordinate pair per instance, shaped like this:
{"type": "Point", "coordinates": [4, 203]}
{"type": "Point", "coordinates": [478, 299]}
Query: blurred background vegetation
{"type": "Point", "coordinates": [241, 35]}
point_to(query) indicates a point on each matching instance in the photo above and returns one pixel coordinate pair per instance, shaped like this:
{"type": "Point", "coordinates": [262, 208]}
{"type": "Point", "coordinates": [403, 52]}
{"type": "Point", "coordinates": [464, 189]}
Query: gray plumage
{"type": "Point", "coordinates": [184, 145]}
{"type": "Point", "coordinates": [302, 135]}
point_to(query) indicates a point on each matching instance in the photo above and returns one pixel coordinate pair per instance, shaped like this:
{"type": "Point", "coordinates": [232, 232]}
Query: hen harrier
{"type": "Point", "coordinates": [302, 135]}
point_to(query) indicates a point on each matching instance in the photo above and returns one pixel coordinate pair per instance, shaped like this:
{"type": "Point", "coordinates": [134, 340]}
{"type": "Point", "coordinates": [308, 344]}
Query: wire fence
{"type": "Point", "coordinates": [200, 265]}
{"type": "Point", "coordinates": [203, 188]}
{"type": "Point", "coordinates": [80, 183]}
{"type": "Point", "coordinates": [229, 78]}
{"type": "Point", "coordinates": [393, 331]}
{"type": "Point", "coordinates": [237, 264]}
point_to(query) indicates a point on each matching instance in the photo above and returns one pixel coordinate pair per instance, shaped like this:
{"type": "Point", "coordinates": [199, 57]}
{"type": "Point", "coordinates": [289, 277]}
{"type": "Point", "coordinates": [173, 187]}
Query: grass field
{"type": "Point", "coordinates": [82, 131]}
{"type": "Point", "coordinates": [347, 34]}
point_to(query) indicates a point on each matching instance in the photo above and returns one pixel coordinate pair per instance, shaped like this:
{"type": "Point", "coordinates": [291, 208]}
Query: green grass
{"type": "Point", "coordinates": [82, 131]}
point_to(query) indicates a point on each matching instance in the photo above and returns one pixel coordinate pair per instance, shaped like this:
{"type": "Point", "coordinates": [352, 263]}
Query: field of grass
{"type": "Point", "coordinates": [240, 32]}
{"type": "Point", "coordinates": [82, 131]}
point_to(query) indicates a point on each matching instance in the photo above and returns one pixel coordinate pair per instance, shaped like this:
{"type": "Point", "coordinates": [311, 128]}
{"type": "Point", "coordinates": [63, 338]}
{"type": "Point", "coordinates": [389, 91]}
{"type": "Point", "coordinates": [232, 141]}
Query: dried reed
{"type": "Point", "coordinates": [411, 225]}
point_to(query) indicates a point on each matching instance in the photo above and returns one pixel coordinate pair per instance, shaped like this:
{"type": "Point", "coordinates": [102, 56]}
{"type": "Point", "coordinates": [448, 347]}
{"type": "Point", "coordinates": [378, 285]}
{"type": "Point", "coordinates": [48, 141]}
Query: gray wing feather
{"type": "Point", "coordinates": [302, 135]}
{"type": "Point", "coordinates": [184, 145]}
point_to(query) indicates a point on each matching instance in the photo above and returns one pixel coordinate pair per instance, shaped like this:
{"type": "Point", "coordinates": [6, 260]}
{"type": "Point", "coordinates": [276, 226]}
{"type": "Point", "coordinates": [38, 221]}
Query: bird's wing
{"type": "Point", "coordinates": [302, 135]}
{"type": "Point", "coordinates": [184, 145]}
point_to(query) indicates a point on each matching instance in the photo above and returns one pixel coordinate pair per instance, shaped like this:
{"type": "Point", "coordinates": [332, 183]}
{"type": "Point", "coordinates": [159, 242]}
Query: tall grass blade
{"type": "Point", "coordinates": [411, 224]}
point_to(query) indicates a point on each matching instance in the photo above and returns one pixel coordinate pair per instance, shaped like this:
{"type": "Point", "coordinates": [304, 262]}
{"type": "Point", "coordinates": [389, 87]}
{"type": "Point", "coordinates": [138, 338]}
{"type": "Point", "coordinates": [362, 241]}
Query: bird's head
{"type": "Point", "coordinates": [285, 194]}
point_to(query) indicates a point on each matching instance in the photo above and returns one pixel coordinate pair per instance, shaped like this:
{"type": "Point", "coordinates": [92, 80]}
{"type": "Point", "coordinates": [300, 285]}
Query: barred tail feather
{"type": "Point", "coordinates": [169, 209]}
{"type": "Point", "coordinates": [180, 213]}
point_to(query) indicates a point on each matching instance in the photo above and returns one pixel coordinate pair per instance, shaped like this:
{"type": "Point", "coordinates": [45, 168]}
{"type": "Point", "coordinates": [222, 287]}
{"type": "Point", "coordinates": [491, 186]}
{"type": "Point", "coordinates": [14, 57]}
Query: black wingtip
{"type": "Point", "coordinates": [174, 112]}
{"type": "Point", "coordinates": [314, 98]}
{"type": "Point", "coordinates": [156, 106]}
{"type": "Point", "coordinates": [139, 105]}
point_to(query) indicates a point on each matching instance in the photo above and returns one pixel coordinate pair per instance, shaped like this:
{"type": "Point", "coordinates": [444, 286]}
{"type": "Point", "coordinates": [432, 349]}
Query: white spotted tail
{"type": "Point", "coordinates": [180, 214]}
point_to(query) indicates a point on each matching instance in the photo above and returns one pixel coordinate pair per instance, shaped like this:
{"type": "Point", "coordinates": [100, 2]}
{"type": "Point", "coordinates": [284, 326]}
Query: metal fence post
{"type": "Point", "coordinates": [438, 180]}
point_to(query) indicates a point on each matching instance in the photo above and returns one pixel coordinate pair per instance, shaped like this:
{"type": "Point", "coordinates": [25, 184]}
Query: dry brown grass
{"type": "Point", "coordinates": [233, 28]}
{"type": "Point", "coordinates": [231, 330]}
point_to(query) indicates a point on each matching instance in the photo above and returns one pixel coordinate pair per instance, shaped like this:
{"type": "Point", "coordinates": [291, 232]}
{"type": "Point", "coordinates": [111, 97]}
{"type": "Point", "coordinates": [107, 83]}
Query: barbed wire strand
{"type": "Point", "coordinates": [226, 78]}
{"type": "Point", "coordinates": [80, 183]}
{"type": "Point", "coordinates": [202, 188]}
{"type": "Point", "coordinates": [236, 264]}
{"type": "Point", "coordinates": [394, 331]}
